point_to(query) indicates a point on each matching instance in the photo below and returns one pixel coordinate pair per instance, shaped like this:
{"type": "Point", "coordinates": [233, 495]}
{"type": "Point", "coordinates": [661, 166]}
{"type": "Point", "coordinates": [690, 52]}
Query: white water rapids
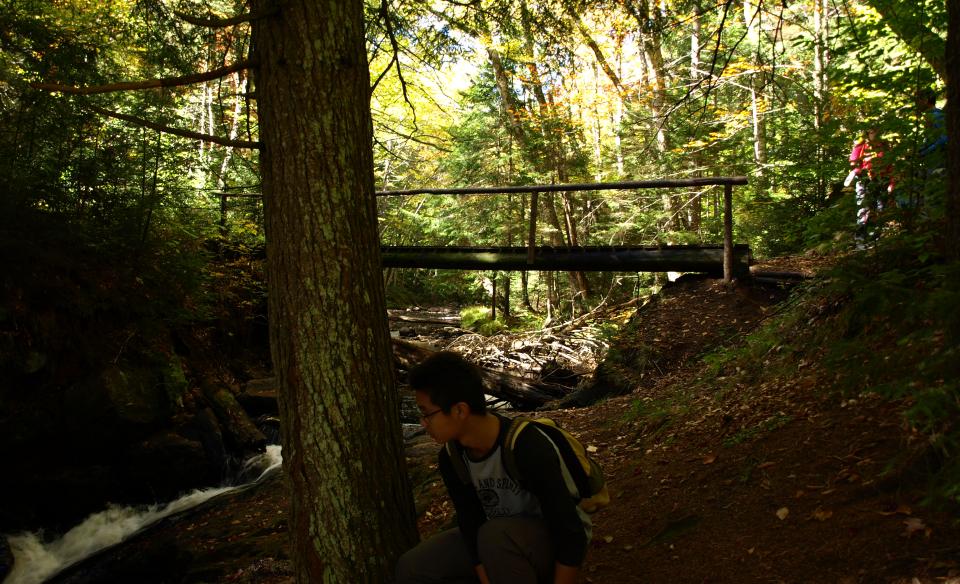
{"type": "Point", "coordinates": [35, 560]}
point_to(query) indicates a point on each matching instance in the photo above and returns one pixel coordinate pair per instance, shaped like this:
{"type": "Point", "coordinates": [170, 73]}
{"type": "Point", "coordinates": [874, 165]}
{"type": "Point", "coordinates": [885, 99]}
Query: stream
{"type": "Point", "coordinates": [37, 557]}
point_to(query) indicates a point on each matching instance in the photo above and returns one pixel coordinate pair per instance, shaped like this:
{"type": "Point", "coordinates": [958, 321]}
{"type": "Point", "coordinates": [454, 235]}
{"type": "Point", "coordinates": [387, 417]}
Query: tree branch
{"type": "Point", "coordinates": [910, 27]}
{"type": "Point", "coordinates": [388, 25]}
{"type": "Point", "coordinates": [412, 138]}
{"type": "Point", "coordinates": [175, 131]}
{"type": "Point", "coordinates": [213, 22]}
{"type": "Point", "coordinates": [146, 84]}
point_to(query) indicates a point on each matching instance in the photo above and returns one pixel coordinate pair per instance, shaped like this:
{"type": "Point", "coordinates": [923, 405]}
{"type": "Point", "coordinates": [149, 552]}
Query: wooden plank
{"type": "Point", "coordinates": [587, 259]}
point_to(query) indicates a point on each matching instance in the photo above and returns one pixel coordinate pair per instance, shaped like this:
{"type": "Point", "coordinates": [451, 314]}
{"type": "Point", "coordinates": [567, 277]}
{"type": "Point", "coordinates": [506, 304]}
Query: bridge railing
{"type": "Point", "coordinates": [727, 182]}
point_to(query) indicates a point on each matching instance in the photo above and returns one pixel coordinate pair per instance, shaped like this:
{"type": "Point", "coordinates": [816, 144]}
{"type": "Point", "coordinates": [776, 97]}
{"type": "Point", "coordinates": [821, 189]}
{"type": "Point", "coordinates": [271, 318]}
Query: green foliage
{"type": "Point", "coordinates": [412, 287]}
{"type": "Point", "coordinates": [471, 316]}
{"type": "Point", "coordinates": [477, 318]}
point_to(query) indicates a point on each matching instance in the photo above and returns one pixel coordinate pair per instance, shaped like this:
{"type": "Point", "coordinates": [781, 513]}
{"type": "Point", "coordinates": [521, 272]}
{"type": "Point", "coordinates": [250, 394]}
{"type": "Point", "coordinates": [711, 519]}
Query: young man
{"type": "Point", "coordinates": [508, 533]}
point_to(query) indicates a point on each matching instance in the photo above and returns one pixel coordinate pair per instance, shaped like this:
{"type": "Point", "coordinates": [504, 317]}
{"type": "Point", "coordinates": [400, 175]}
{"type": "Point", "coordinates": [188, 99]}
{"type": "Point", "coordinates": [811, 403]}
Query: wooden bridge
{"type": "Point", "coordinates": [729, 260]}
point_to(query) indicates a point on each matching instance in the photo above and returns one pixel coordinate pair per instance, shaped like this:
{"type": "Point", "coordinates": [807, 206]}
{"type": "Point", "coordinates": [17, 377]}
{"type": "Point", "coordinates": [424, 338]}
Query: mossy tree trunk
{"type": "Point", "coordinates": [351, 509]}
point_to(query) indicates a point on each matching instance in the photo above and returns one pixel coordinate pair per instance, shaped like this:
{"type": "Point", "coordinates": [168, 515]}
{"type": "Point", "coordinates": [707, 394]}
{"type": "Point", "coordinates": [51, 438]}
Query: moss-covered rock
{"type": "Point", "coordinates": [115, 405]}
{"type": "Point", "coordinates": [174, 382]}
{"type": "Point", "coordinates": [239, 431]}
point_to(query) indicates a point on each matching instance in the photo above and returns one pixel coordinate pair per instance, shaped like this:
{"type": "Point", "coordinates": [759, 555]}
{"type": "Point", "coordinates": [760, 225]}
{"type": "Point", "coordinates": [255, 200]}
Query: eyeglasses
{"type": "Point", "coordinates": [425, 418]}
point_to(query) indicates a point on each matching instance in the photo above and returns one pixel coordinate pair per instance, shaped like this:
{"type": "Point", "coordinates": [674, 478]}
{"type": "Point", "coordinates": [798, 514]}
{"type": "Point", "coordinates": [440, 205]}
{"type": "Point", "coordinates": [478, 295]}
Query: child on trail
{"type": "Point", "coordinates": [509, 532]}
{"type": "Point", "coordinates": [874, 182]}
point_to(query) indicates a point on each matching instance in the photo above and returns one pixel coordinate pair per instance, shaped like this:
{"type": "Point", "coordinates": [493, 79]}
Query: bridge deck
{"type": "Point", "coordinates": [674, 258]}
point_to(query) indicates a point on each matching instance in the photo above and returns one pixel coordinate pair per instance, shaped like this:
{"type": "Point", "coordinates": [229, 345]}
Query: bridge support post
{"type": "Point", "coordinates": [532, 238]}
{"type": "Point", "coordinates": [728, 234]}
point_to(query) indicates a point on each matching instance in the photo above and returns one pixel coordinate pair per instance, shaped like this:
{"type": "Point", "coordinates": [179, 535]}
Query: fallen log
{"type": "Point", "coordinates": [521, 393]}
{"type": "Point", "coordinates": [259, 396]}
{"type": "Point", "coordinates": [426, 319]}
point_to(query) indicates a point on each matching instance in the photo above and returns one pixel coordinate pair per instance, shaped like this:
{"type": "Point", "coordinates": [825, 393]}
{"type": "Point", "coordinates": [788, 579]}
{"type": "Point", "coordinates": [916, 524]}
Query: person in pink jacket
{"type": "Point", "coordinates": [873, 181]}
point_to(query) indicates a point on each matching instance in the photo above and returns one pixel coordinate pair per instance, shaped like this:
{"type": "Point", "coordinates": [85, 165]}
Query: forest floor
{"type": "Point", "coordinates": [716, 476]}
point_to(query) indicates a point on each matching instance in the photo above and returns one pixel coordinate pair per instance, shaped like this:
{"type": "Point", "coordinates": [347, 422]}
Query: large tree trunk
{"type": "Point", "coordinates": [953, 129]}
{"type": "Point", "coordinates": [351, 511]}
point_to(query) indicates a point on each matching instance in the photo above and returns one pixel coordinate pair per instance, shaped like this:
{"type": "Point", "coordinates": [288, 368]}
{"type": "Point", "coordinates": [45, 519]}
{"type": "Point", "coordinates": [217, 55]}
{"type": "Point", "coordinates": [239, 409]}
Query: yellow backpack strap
{"type": "Point", "coordinates": [509, 443]}
{"type": "Point", "coordinates": [456, 459]}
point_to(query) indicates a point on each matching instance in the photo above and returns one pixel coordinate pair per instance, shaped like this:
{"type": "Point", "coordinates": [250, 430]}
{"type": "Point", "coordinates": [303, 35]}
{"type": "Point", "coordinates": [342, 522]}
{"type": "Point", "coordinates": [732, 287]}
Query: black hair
{"type": "Point", "coordinates": [926, 96]}
{"type": "Point", "coordinates": [448, 379]}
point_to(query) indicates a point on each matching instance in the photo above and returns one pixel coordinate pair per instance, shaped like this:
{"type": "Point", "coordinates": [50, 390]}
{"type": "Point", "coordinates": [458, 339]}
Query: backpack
{"type": "Point", "coordinates": [583, 469]}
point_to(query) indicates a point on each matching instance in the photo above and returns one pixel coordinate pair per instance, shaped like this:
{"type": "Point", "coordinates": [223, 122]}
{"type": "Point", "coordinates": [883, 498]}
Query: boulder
{"type": "Point", "coordinates": [174, 382]}
{"type": "Point", "coordinates": [259, 397]}
{"type": "Point", "coordinates": [239, 432]}
{"type": "Point", "coordinates": [165, 465]}
{"type": "Point", "coordinates": [208, 432]}
{"type": "Point", "coordinates": [116, 406]}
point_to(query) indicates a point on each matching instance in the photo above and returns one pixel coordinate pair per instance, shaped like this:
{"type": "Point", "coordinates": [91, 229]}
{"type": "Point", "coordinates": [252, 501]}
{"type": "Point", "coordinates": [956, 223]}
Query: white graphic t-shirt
{"type": "Point", "coordinates": [499, 494]}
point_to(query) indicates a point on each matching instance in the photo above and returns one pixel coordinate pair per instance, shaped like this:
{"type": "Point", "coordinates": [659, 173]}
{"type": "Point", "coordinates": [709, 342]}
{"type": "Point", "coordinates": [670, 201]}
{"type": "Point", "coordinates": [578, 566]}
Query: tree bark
{"type": "Point", "coordinates": [953, 129]}
{"type": "Point", "coordinates": [351, 511]}
{"type": "Point", "coordinates": [752, 16]}
{"type": "Point", "coordinates": [534, 83]}
{"type": "Point", "coordinates": [821, 57]}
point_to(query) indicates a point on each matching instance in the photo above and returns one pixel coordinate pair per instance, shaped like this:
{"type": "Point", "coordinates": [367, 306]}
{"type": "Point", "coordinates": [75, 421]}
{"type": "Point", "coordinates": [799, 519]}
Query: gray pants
{"type": "Point", "coordinates": [513, 550]}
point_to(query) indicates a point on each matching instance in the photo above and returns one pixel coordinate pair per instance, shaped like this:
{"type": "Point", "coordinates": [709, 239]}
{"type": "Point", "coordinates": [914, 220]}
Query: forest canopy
{"type": "Point", "coordinates": [480, 94]}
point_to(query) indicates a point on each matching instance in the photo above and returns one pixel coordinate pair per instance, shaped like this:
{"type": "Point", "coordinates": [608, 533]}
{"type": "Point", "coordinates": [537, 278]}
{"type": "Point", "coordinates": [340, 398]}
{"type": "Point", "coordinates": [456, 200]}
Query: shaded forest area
{"type": "Point", "coordinates": [150, 150]}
